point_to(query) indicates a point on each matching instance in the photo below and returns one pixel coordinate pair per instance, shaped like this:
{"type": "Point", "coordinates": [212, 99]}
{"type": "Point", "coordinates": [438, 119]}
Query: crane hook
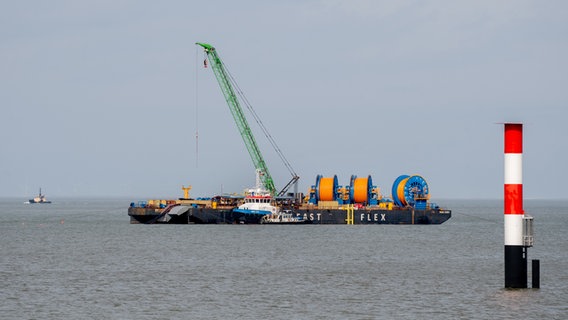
{"type": "Point", "coordinates": [205, 63]}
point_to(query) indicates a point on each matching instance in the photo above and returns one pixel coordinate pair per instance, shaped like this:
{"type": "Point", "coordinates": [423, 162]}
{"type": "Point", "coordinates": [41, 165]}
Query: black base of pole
{"type": "Point", "coordinates": [515, 267]}
{"type": "Point", "coordinates": [536, 274]}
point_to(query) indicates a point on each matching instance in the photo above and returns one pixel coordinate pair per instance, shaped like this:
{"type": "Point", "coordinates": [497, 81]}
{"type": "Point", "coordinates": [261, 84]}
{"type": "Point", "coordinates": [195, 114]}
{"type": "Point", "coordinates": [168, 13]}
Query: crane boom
{"type": "Point", "coordinates": [224, 80]}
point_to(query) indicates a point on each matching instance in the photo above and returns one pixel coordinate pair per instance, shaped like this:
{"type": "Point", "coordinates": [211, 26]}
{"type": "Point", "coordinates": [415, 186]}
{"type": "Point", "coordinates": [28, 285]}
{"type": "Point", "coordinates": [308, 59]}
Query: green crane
{"type": "Point", "coordinates": [226, 82]}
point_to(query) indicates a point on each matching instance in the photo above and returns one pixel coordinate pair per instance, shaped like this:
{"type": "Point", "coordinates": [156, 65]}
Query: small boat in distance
{"type": "Point", "coordinates": [39, 199]}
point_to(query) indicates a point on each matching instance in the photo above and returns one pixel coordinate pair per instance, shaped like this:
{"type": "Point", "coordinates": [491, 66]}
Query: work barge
{"type": "Point", "coordinates": [358, 202]}
{"type": "Point", "coordinates": [327, 203]}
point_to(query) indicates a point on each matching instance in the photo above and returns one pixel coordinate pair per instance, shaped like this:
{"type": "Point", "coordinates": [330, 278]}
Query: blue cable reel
{"type": "Point", "coordinates": [315, 191]}
{"type": "Point", "coordinates": [395, 198]}
{"type": "Point", "coordinates": [415, 187]}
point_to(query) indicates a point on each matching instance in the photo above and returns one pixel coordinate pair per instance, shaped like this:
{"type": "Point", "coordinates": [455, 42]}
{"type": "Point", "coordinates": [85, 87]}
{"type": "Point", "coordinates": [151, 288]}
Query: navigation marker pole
{"type": "Point", "coordinates": [518, 226]}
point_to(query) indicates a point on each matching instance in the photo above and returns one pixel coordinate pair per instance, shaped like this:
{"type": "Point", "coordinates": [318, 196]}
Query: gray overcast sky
{"type": "Point", "coordinates": [103, 98]}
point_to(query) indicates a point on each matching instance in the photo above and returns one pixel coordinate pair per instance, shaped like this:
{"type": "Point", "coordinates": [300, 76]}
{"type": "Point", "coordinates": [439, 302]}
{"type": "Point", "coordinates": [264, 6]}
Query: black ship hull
{"type": "Point", "coordinates": [316, 216]}
{"type": "Point", "coordinates": [377, 216]}
{"type": "Point", "coordinates": [33, 201]}
{"type": "Point", "coordinates": [192, 216]}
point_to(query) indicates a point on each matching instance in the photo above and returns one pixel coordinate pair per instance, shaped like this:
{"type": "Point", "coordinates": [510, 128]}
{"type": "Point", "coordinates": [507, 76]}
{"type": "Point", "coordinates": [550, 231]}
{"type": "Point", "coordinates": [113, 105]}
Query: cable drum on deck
{"type": "Point", "coordinates": [360, 191]}
{"type": "Point", "coordinates": [406, 189]}
{"type": "Point", "coordinates": [415, 187]}
{"type": "Point", "coordinates": [398, 197]}
{"type": "Point", "coordinates": [326, 188]}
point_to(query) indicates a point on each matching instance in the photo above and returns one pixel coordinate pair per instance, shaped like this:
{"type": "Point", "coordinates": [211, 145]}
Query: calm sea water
{"type": "Point", "coordinates": [78, 259]}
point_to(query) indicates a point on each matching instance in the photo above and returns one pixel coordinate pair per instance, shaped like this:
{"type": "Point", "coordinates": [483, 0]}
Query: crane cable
{"type": "Point", "coordinates": [196, 108]}
{"type": "Point", "coordinates": [259, 122]}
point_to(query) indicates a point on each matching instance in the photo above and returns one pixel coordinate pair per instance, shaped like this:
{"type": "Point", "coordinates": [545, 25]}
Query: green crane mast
{"type": "Point", "coordinates": [226, 83]}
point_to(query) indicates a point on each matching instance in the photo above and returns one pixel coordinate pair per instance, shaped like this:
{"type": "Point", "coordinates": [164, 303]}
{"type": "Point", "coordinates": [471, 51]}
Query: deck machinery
{"type": "Point", "coordinates": [406, 191]}
{"type": "Point", "coordinates": [359, 191]}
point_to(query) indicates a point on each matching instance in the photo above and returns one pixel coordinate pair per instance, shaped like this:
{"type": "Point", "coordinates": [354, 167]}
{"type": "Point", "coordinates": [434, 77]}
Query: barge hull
{"type": "Point", "coordinates": [316, 216]}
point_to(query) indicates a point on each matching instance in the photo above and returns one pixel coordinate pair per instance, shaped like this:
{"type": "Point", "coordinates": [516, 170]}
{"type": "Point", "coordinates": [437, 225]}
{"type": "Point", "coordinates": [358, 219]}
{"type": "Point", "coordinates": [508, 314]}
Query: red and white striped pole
{"type": "Point", "coordinates": [515, 251]}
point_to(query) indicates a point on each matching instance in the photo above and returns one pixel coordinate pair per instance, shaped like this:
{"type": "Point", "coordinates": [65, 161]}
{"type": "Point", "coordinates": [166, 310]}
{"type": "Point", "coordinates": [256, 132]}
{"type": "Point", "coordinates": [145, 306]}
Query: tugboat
{"type": "Point", "coordinates": [39, 199]}
{"type": "Point", "coordinates": [258, 200]}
